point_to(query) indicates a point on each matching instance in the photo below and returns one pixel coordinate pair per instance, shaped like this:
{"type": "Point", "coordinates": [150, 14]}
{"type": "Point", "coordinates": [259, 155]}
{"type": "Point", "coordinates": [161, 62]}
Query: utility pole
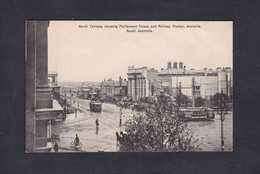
{"type": "Point", "coordinates": [120, 120]}
{"type": "Point", "coordinates": [120, 88]}
{"type": "Point", "coordinates": [222, 119]}
{"type": "Point", "coordinates": [193, 92]}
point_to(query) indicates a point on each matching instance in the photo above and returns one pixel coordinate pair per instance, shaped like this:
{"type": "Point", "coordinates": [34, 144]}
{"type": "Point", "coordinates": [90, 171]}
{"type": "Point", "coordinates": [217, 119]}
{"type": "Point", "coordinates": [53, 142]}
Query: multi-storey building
{"type": "Point", "coordinates": [204, 83]}
{"type": "Point", "coordinates": [53, 82]}
{"type": "Point", "coordinates": [141, 82]}
{"type": "Point", "coordinates": [111, 89]}
{"type": "Point", "coordinates": [41, 108]}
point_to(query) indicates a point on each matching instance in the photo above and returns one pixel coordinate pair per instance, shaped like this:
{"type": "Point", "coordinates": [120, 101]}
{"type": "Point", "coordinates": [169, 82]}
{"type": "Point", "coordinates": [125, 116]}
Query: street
{"type": "Point", "coordinates": [209, 133]}
{"type": "Point", "coordinates": [104, 139]}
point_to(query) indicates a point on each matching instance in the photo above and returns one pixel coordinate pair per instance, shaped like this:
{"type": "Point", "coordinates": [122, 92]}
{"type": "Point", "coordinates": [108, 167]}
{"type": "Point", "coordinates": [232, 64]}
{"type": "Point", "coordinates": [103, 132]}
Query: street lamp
{"type": "Point", "coordinates": [120, 121]}
{"type": "Point", "coordinates": [222, 107]}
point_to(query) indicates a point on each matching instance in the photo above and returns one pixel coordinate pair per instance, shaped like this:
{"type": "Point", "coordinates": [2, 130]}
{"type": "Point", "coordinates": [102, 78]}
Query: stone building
{"type": "Point", "coordinates": [205, 83]}
{"type": "Point", "coordinates": [107, 89]}
{"type": "Point", "coordinates": [85, 93]}
{"type": "Point", "coordinates": [113, 90]}
{"type": "Point", "coordinates": [53, 82]}
{"type": "Point", "coordinates": [141, 82]}
{"type": "Point", "coordinates": [41, 108]}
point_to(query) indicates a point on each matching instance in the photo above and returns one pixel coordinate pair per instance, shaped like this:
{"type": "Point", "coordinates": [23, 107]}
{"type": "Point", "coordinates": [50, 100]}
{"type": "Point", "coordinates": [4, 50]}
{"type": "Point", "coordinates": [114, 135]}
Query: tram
{"type": "Point", "coordinates": [197, 114]}
{"type": "Point", "coordinates": [95, 106]}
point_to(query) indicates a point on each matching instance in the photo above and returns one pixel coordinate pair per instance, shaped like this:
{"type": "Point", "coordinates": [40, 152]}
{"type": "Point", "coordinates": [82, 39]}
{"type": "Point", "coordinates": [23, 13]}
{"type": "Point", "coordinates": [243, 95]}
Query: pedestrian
{"type": "Point", "coordinates": [76, 141]}
{"type": "Point", "coordinates": [97, 122]}
{"type": "Point", "coordinates": [56, 147]}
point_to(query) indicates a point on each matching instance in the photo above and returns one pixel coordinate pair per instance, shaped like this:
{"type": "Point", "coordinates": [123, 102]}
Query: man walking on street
{"type": "Point", "coordinates": [97, 122]}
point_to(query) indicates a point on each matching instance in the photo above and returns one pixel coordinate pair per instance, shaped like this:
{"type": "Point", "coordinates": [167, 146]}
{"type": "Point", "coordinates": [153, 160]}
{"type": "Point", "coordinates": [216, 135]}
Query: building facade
{"type": "Point", "coordinates": [41, 108]}
{"type": "Point", "coordinates": [53, 82]}
{"type": "Point", "coordinates": [204, 83]}
{"type": "Point", "coordinates": [142, 82]}
{"type": "Point", "coordinates": [113, 90]}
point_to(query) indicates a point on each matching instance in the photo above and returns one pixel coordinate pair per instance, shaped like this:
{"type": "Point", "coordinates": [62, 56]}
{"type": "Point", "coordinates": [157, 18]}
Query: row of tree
{"type": "Point", "coordinates": [215, 100]}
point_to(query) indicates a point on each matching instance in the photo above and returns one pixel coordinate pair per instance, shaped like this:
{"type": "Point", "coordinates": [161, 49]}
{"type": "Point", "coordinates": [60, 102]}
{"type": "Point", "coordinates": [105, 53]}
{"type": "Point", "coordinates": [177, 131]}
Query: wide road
{"type": "Point", "coordinates": [83, 124]}
{"type": "Point", "coordinates": [209, 133]}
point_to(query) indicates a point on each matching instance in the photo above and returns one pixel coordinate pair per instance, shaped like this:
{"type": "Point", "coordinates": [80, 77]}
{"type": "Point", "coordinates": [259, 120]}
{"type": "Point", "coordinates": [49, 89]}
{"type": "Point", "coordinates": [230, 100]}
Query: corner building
{"type": "Point", "coordinates": [41, 108]}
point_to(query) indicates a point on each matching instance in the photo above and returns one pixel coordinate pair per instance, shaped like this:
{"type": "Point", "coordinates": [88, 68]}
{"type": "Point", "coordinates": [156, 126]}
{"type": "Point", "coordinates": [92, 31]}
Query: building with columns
{"type": "Point", "coordinates": [41, 108]}
{"type": "Point", "coordinates": [141, 82]}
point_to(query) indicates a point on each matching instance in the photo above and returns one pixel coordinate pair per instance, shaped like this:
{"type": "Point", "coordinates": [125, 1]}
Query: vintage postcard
{"type": "Point", "coordinates": [129, 86]}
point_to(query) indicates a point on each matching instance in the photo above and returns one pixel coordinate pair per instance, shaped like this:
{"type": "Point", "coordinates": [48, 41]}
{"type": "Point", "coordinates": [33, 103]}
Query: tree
{"type": "Point", "coordinates": [199, 102]}
{"type": "Point", "coordinates": [216, 99]}
{"type": "Point", "coordinates": [144, 99]}
{"type": "Point", "coordinates": [182, 99]}
{"type": "Point", "coordinates": [159, 128]}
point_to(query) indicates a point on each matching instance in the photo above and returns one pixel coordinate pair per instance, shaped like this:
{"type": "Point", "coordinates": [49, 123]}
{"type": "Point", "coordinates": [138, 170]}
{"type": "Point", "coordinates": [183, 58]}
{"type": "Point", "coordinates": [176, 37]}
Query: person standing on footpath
{"type": "Point", "coordinates": [56, 147]}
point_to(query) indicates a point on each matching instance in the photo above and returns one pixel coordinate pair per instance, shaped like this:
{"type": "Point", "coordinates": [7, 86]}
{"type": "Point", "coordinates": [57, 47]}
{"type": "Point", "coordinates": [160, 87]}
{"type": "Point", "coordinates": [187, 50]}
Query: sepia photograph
{"type": "Point", "coordinates": [128, 86]}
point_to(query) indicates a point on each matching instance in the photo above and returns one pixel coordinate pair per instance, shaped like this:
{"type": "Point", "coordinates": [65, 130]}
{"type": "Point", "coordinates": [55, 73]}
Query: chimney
{"type": "Point", "coordinates": [175, 64]}
{"type": "Point", "coordinates": [181, 65]}
{"type": "Point", "coordinates": [205, 71]}
{"type": "Point", "coordinates": [169, 65]}
{"type": "Point", "coordinates": [184, 69]}
{"type": "Point", "coordinates": [162, 69]}
{"type": "Point", "coordinates": [228, 68]}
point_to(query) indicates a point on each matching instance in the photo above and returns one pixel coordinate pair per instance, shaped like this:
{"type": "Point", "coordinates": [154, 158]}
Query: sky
{"type": "Point", "coordinates": [79, 51]}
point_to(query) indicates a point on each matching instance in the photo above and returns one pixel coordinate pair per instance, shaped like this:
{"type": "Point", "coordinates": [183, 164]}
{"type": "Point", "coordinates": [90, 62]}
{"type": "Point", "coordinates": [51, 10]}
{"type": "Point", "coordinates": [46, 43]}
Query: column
{"type": "Point", "coordinates": [30, 85]}
{"type": "Point", "coordinates": [43, 92]}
